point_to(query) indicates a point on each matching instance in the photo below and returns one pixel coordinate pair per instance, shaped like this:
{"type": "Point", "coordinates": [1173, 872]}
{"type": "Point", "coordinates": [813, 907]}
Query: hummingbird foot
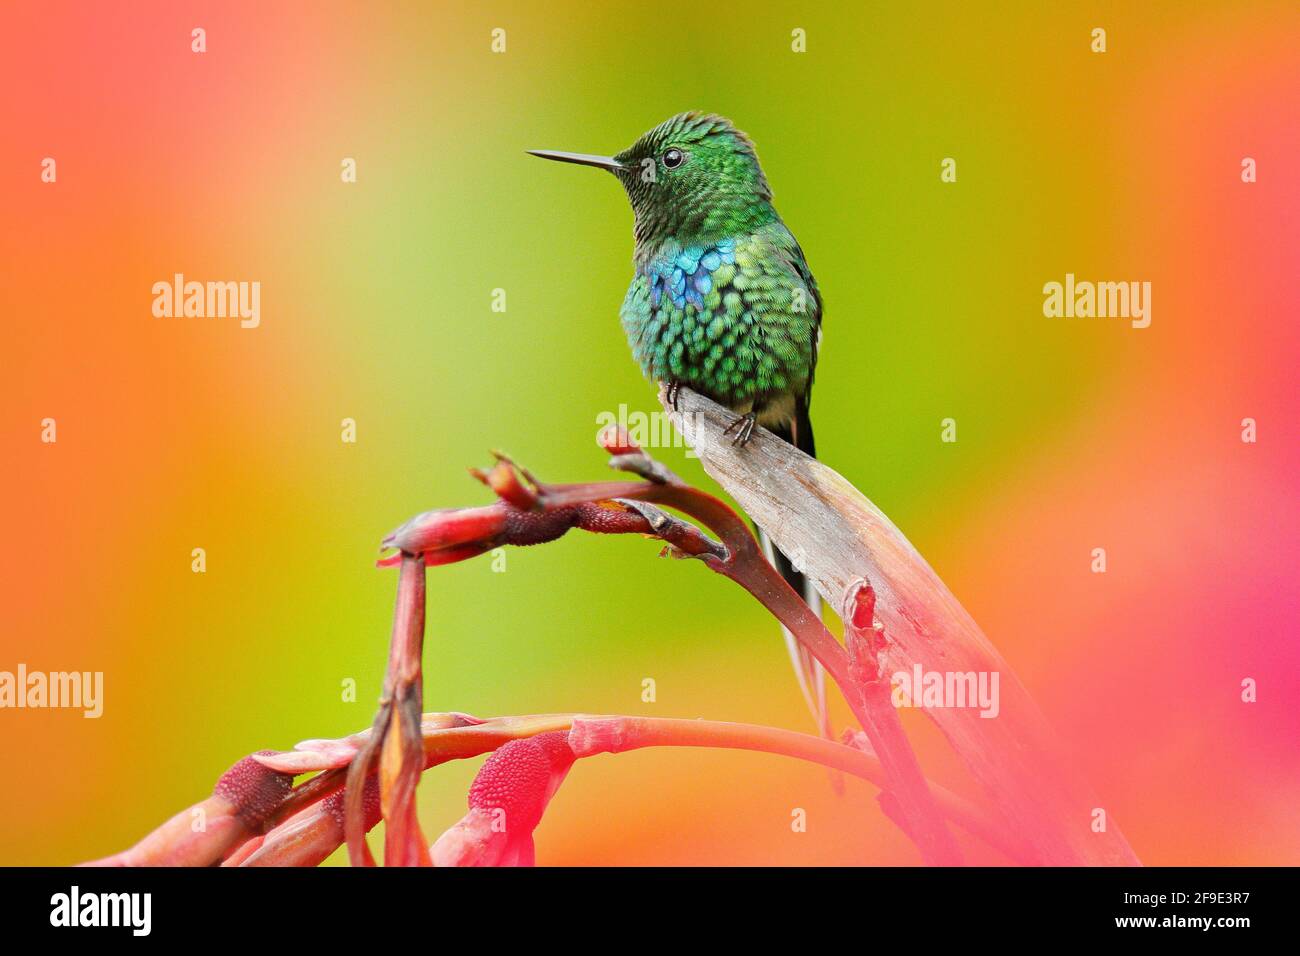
{"type": "Point", "coordinates": [674, 387]}
{"type": "Point", "coordinates": [744, 428]}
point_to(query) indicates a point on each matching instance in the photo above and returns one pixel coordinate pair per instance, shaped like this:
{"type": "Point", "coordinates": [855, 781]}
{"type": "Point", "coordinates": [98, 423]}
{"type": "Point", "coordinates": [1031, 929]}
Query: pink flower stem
{"type": "Point", "coordinates": [395, 739]}
{"type": "Point", "coordinates": [867, 694]}
{"type": "Point", "coordinates": [529, 511]}
{"type": "Point", "coordinates": [909, 801]}
{"type": "Point", "coordinates": [267, 824]}
{"type": "Point", "coordinates": [590, 735]}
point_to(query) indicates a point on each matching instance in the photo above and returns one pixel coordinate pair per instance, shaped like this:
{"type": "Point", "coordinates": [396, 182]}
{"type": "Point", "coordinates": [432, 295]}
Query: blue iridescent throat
{"type": "Point", "coordinates": [688, 277]}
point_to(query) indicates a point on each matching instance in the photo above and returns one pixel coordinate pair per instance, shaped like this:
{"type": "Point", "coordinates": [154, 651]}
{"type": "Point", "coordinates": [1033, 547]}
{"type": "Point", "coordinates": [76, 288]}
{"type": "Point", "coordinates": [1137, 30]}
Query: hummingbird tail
{"type": "Point", "coordinates": [808, 670]}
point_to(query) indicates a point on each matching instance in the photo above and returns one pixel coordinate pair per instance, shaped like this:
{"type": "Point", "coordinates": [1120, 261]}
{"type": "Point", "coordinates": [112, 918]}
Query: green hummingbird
{"type": "Point", "coordinates": [722, 300]}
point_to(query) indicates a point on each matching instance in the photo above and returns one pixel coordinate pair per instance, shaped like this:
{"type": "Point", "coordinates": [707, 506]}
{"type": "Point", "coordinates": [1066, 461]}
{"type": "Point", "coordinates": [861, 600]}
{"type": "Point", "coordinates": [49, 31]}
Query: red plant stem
{"type": "Point", "coordinates": [589, 735]}
{"type": "Point", "coordinates": [395, 739]}
{"type": "Point", "coordinates": [402, 758]}
{"type": "Point", "coordinates": [537, 514]}
{"type": "Point", "coordinates": [617, 734]}
{"type": "Point", "coordinates": [746, 566]}
{"type": "Point", "coordinates": [303, 825]}
{"type": "Point", "coordinates": [910, 800]}
{"type": "Point", "coordinates": [869, 701]}
{"type": "Point", "coordinates": [354, 828]}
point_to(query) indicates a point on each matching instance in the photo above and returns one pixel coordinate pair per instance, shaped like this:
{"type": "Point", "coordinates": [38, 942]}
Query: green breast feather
{"type": "Point", "coordinates": [735, 319]}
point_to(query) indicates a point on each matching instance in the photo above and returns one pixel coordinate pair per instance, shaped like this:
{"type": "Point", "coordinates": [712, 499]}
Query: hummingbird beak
{"type": "Point", "coordinates": [582, 159]}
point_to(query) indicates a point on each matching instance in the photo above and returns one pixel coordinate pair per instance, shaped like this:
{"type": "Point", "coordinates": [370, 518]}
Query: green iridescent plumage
{"type": "Point", "coordinates": [748, 341]}
{"type": "Point", "coordinates": [742, 330]}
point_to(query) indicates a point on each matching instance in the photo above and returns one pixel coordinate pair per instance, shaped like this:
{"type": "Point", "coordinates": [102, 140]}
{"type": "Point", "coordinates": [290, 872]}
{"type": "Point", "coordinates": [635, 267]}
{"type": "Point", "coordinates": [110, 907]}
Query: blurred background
{"type": "Point", "coordinates": [175, 434]}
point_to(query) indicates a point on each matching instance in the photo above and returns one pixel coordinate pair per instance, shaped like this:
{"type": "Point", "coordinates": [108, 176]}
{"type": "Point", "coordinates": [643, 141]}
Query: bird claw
{"type": "Point", "coordinates": [673, 389]}
{"type": "Point", "coordinates": [744, 427]}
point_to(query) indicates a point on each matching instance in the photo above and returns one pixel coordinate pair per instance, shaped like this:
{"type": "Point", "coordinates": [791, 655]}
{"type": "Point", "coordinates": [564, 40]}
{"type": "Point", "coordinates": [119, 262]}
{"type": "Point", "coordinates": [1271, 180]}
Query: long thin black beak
{"type": "Point", "coordinates": [582, 159]}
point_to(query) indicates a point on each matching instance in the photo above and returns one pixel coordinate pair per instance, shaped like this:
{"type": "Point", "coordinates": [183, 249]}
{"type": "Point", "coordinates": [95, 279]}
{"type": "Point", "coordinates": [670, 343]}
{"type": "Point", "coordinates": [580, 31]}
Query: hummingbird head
{"type": "Point", "coordinates": [694, 177]}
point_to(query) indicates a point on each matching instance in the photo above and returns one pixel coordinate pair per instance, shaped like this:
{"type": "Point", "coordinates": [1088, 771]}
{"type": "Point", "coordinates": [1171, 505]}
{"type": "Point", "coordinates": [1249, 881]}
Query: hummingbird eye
{"type": "Point", "coordinates": [674, 158]}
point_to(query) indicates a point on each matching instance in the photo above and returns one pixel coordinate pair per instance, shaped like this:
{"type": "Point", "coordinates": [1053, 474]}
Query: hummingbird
{"type": "Point", "coordinates": [721, 300]}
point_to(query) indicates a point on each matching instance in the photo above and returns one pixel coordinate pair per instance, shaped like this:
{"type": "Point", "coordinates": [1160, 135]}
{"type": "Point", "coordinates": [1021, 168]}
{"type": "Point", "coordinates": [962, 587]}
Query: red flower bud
{"type": "Point", "coordinates": [617, 441]}
{"type": "Point", "coordinates": [507, 800]}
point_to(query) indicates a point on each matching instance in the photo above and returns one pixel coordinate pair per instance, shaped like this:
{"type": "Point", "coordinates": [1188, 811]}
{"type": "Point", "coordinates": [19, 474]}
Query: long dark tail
{"type": "Point", "coordinates": [811, 675]}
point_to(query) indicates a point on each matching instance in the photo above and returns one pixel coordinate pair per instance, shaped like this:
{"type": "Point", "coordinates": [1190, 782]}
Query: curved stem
{"type": "Point", "coordinates": [595, 734]}
{"type": "Point", "coordinates": [447, 738]}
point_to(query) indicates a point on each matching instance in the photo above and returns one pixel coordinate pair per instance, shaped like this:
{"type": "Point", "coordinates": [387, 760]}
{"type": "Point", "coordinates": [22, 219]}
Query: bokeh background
{"type": "Point", "coordinates": [1072, 434]}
